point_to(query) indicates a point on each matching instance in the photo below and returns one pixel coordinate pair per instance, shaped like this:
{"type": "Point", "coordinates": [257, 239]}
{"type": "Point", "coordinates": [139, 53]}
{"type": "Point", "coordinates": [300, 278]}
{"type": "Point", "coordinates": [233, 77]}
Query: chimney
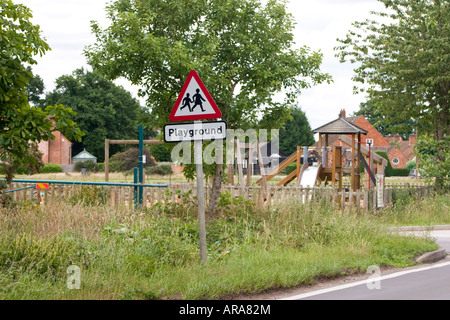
{"type": "Point", "coordinates": [342, 114]}
{"type": "Point", "coordinates": [412, 139]}
{"type": "Point", "coordinates": [398, 138]}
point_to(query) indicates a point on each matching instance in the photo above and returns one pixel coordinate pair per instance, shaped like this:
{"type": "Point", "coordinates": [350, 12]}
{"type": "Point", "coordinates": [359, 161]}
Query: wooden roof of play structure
{"type": "Point", "coordinates": [339, 126]}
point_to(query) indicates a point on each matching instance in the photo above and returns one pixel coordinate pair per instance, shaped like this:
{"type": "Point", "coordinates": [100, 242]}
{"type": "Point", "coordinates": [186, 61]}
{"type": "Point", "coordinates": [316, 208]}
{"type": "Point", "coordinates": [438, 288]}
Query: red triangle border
{"type": "Point", "coordinates": [215, 115]}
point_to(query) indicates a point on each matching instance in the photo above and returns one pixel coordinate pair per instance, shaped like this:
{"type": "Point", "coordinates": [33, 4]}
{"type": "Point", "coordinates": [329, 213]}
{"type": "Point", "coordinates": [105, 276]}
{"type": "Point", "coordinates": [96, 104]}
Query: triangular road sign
{"type": "Point", "coordinates": [194, 101]}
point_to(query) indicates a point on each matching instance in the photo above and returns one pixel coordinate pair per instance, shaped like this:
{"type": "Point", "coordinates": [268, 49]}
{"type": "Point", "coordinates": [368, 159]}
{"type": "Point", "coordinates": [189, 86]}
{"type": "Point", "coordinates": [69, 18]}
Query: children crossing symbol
{"type": "Point", "coordinates": [194, 101]}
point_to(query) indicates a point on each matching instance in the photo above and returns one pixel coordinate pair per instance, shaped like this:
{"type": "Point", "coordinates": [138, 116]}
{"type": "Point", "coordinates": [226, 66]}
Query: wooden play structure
{"type": "Point", "coordinates": [330, 168]}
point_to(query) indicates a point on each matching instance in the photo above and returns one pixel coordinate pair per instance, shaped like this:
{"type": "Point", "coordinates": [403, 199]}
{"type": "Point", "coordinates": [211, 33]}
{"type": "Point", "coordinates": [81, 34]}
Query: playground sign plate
{"type": "Point", "coordinates": [42, 185]}
{"type": "Point", "coordinates": [198, 131]}
{"type": "Point", "coordinates": [194, 101]}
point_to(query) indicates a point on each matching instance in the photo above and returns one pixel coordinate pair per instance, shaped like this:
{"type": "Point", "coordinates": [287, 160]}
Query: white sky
{"type": "Point", "coordinates": [66, 26]}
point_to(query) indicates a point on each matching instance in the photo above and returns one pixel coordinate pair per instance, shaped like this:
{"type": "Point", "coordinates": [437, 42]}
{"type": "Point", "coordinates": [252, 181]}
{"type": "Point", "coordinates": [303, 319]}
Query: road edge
{"type": "Point", "coordinates": [427, 257]}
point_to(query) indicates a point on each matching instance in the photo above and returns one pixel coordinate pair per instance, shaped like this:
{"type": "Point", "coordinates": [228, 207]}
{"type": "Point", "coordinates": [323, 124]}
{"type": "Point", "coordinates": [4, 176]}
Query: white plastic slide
{"type": "Point", "coordinates": [309, 177]}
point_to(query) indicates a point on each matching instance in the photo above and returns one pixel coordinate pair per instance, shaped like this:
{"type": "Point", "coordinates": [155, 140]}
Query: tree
{"type": "Point", "coordinates": [405, 63]}
{"type": "Point", "coordinates": [104, 110]}
{"type": "Point", "coordinates": [21, 124]}
{"type": "Point", "coordinates": [35, 89]}
{"type": "Point", "coordinates": [296, 132]}
{"type": "Point", "coordinates": [242, 50]}
{"type": "Point", "coordinates": [428, 149]}
{"type": "Point", "coordinates": [386, 123]}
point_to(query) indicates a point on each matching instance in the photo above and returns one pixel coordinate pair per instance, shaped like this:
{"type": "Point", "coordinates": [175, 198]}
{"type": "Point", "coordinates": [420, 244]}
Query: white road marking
{"type": "Point", "coordinates": [357, 283]}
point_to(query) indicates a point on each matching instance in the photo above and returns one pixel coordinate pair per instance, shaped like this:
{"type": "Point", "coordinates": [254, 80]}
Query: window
{"type": "Point", "coordinates": [369, 141]}
{"type": "Point", "coordinates": [395, 161]}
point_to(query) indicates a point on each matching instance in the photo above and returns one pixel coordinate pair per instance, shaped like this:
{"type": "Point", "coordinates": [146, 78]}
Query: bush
{"type": "Point", "coordinates": [90, 165]}
{"type": "Point", "coordinates": [125, 161]}
{"type": "Point", "coordinates": [290, 168]}
{"type": "Point", "coordinates": [389, 171]}
{"type": "Point", "coordinates": [162, 170]}
{"type": "Point", "coordinates": [51, 168]}
{"type": "Point", "coordinates": [160, 152]}
{"type": "Point", "coordinates": [101, 167]}
{"type": "Point", "coordinates": [399, 172]}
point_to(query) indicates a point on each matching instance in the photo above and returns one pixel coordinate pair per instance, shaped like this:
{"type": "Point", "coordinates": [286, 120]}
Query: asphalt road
{"type": "Point", "coordinates": [424, 282]}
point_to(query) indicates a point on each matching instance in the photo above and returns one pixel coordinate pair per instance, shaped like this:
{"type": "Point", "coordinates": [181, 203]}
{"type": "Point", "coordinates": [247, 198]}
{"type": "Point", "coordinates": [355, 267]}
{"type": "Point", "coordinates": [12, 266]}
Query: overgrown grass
{"type": "Point", "coordinates": [153, 254]}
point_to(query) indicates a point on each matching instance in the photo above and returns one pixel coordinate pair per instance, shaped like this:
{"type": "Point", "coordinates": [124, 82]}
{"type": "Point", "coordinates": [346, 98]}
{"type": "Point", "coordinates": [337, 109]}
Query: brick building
{"type": "Point", "coordinates": [58, 150]}
{"type": "Point", "coordinates": [398, 150]}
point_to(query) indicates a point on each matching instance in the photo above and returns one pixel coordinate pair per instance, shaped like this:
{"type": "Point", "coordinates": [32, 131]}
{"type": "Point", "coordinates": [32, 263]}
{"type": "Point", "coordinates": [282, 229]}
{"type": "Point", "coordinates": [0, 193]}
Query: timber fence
{"type": "Point", "coordinates": [360, 200]}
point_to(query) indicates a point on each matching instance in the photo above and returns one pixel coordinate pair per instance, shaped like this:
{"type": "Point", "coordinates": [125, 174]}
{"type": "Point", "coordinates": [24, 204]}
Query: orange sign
{"type": "Point", "coordinates": [42, 185]}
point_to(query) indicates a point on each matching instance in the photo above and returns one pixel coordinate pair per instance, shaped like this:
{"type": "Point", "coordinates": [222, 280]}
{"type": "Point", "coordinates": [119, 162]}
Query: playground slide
{"type": "Point", "coordinates": [308, 176]}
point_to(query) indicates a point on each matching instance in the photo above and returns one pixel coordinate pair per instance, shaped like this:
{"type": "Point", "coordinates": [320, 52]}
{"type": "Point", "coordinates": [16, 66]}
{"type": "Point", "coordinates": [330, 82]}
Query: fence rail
{"type": "Point", "coordinates": [123, 195]}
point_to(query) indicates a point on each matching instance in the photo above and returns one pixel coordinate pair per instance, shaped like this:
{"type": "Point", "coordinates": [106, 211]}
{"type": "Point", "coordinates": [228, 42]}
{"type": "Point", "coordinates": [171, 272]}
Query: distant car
{"type": "Point", "coordinates": [412, 173]}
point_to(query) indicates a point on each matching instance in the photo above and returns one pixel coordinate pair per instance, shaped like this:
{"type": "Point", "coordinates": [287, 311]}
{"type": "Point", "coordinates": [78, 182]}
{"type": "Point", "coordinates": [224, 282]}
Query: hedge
{"type": "Point", "coordinates": [389, 171]}
{"type": "Point", "coordinates": [162, 170]}
{"type": "Point", "coordinates": [51, 168]}
{"type": "Point", "coordinates": [87, 164]}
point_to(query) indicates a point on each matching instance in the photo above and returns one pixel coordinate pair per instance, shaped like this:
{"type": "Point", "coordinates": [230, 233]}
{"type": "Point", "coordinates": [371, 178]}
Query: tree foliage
{"type": "Point", "coordinates": [104, 110]}
{"type": "Point", "coordinates": [243, 51]}
{"type": "Point", "coordinates": [35, 89]}
{"type": "Point", "coordinates": [296, 132]}
{"type": "Point", "coordinates": [428, 149]}
{"type": "Point", "coordinates": [20, 123]}
{"type": "Point", "coordinates": [404, 60]}
{"type": "Point", "coordinates": [385, 121]}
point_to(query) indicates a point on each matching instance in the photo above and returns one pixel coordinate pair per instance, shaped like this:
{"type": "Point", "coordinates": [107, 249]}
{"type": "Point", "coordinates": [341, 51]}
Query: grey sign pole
{"type": "Point", "coordinates": [200, 196]}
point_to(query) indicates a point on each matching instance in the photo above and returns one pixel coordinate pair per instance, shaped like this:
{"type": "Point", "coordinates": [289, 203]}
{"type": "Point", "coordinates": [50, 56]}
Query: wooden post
{"type": "Point", "coordinates": [250, 164]}
{"type": "Point", "coordinates": [261, 168]}
{"type": "Point", "coordinates": [298, 163]}
{"type": "Point", "coordinates": [358, 155]}
{"type": "Point", "coordinates": [320, 150]}
{"type": "Point", "coordinates": [106, 160]}
{"type": "Point", "coordinates": [239, 164]}
{"type": "Point", "coordinates": [352, 179]}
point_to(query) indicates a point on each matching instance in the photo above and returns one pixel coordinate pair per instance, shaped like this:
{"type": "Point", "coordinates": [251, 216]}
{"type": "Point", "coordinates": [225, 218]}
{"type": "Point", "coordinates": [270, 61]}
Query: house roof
{"type": "Point", "coordinates": [84, 155]}
{"type": "Point", "coordinates": [339, 126]}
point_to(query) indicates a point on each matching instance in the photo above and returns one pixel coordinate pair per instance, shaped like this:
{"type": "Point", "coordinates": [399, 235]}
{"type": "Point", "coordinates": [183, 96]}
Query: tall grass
{"type": "Point", "coordinates": [153, 253]}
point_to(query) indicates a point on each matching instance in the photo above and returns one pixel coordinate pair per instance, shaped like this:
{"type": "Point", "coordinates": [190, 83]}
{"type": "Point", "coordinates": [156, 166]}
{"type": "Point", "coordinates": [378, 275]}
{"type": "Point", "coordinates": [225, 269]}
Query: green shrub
{"type": "Point", "coordinates": [22, 170]}
{"type": "Point", "coordinates": [389, 171]}
{"type": "Point", "coordinates": [411, 164]}
{"type": "Point", "coordinates": [290, 168]}
{"type": "Point", "coordinates": [129, 159]}
{"type": "Point", "coordinates": [162, 170]}
{"type": "Point", "coordinates": [160, 152]}
{"type": "Point", "coordinates": [90, 165]}
{"type": "Point", "coordinates": [51, 168]}
{"type": "Point", "coordinates": [399, 172]}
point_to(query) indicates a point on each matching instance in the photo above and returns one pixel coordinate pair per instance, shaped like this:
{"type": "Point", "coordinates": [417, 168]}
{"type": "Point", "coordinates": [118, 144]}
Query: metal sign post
{"type": "Point", "coordinates": [141, 164]}
{"type": "Point", "coordinates": [200, 195]}
{"type": "Point", "coordinates": [195, 103]}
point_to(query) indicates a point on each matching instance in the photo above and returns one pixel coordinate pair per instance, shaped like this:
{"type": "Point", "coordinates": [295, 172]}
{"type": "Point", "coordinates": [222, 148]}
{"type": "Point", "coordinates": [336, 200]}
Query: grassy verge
{"type": "Point", "coordinates": [153, 254]}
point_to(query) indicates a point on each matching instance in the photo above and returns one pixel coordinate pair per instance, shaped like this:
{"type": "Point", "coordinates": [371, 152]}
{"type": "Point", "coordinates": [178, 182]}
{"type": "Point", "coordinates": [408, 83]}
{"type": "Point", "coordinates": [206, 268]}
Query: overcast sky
{"type": "Point", "coordinates": [66, 26]}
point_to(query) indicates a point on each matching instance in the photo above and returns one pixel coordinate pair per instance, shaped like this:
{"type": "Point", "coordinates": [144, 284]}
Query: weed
{"type": "Point", "coordinates": [153, 253]}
